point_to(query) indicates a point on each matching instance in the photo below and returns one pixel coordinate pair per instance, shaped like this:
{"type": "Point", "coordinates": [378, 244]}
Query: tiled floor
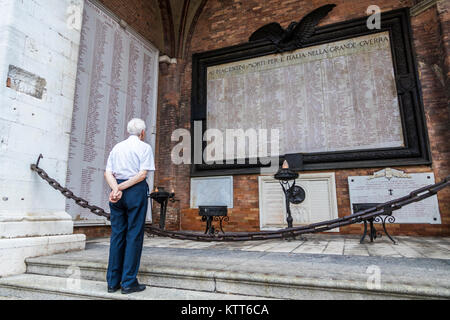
{"type": "Point", "coordinates": [407, 247]}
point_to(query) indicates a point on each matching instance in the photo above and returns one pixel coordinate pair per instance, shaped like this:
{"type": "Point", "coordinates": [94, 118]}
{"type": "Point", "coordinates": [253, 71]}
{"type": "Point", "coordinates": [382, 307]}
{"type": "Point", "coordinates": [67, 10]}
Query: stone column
{"type": "Point", "coordinates": [39, 43]}
{"type": "Point", "coordinates": [167, 122]}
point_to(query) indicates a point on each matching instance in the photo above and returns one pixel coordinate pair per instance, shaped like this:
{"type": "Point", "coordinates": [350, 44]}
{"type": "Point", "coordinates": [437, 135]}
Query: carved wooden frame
{"type": "Point", "coordinates": [416, 150]}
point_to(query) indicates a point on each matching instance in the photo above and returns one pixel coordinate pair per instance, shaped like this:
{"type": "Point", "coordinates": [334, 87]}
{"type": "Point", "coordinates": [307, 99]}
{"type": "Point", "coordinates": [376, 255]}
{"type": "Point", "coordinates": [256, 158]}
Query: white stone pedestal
{"type": "Point", "coordinates": [13, 252]}
{"type": "Point", "coordinates": [35, 235]}
{"type": "Point", "coordinates": [34, 225]}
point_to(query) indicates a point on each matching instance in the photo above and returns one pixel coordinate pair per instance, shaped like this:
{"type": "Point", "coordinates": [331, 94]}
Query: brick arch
{"type": "Point", "coordinates": [168, 27]}
{"type": "Point", "coordinates": [192, 28]}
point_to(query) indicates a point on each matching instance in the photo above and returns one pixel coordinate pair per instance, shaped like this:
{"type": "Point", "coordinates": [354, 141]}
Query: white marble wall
{"type": "Point", "coordinates": [35, 36]}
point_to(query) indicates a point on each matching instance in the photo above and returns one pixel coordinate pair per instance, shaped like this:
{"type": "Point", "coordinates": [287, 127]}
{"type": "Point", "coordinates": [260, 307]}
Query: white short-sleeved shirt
{"type": "Point", "coordinates": [129, 157]}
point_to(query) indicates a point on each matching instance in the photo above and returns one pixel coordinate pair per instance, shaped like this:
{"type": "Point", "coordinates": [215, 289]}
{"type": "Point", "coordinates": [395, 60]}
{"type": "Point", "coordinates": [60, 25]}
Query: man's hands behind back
{"type": "Point", "coordinates": [115, 196]}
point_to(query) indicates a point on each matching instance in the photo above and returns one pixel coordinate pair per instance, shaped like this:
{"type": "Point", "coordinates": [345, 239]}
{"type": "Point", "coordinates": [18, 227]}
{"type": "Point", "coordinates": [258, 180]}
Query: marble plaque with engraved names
{"type": "Point", "coordinates": [212, 191]}
{"type": "Point", "coordinates": [340, 95]}
{"type": "Point", "coordinates": [383, 187]}
{"type": "Point", "coordinates": [116, 81]}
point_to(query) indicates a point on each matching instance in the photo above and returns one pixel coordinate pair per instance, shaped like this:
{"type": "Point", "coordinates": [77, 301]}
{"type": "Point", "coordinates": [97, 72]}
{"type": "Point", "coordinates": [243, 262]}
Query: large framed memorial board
{"type": "Point", "coordinates": [117, 81]}
{"type": "Point", "coordinates": [349, 98]}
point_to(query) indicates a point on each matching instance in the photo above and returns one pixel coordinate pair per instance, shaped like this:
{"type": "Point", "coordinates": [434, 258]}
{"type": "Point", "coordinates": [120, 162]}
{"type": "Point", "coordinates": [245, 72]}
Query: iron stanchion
{"type": "Point", "coordinates": [293, 194]}
{"type": "Point", "coordinates": [162, 197]}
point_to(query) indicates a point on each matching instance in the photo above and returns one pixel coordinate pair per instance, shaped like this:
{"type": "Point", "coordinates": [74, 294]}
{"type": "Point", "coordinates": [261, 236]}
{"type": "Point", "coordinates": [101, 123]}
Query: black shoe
{"type": "Point", "coordinates": [136, 288]}
{"type": "Point", "coordinates": [113, 289]}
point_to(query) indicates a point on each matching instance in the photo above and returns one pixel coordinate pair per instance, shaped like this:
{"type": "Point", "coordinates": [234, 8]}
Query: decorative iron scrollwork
{"type": "Point", "coordinates": [382, 220]}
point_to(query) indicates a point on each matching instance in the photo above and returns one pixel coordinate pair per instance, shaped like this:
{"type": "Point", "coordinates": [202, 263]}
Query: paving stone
{"type": "Point", "coordinates": [310, 248]}
{"type": "Point", "coordinates": [335, 248]}
{"type": "Point", "coordinates": [408, 252]}
{"type": "Point", "coordinates": [286, 246]}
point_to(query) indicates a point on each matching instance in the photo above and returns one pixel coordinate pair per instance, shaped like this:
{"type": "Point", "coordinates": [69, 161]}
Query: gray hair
{"type": "Point", "coordinates": [136, 126]}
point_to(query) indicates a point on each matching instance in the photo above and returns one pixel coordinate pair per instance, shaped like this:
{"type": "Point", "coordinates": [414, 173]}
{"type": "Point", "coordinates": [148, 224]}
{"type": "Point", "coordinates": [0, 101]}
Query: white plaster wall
{"type": "Point", "coordinates": [35, 36]}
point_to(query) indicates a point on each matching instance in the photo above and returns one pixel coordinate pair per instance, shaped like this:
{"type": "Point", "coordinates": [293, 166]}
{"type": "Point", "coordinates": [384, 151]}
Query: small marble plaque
{"type": "Point", "coordinates": [320, 203]}
{"type": "Point", "coordinates": [212, 191]}
{"type": "Point", "coordinates": [390, 184]}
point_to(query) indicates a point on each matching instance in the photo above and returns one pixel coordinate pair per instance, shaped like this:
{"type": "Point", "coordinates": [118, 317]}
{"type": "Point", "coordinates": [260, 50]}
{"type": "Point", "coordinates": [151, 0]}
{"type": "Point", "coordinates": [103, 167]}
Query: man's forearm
{"type": "Point", "coordinates": [111, 180]}
{"type": "Point", "coordinates": [141, 176]}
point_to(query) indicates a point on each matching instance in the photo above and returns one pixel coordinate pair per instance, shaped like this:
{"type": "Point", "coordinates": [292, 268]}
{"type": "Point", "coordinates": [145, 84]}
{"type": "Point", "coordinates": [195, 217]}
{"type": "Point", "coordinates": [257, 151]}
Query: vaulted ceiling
{"type": "Point", "coordinates": [182, 18]}
{"type": "Point", "coordinates": [168, 24]}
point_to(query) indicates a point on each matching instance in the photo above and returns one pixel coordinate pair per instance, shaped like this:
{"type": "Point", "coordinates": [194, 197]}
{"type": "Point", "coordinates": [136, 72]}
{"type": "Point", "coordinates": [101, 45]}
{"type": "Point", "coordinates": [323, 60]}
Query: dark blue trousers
{"type": "Point", "coordinates": [127, 235]}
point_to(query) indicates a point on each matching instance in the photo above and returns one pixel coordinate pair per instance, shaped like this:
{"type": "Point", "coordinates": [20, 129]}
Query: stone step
{"type": "Point", "coordinates": [2, 298]}
{"type": "Point", "coordinates": [41, 287]}
{"type": "Point", "coordinates": [308, 277]}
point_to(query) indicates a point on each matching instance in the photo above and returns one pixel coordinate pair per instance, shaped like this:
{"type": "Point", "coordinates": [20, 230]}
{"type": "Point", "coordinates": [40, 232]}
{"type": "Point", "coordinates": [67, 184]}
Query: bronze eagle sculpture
{"type": "Point", "coordinates": [296, 34]}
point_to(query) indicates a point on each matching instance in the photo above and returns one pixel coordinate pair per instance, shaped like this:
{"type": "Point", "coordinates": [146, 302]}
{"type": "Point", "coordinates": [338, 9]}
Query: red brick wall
{"type": "Point", "coordinates": [143, 16]}
{"type": "Point", "coordinates": [230, 22]}
{"type": "Point", "coordinates": [443, 8]}
{"type": "Point", "coordinates": [93, 232]}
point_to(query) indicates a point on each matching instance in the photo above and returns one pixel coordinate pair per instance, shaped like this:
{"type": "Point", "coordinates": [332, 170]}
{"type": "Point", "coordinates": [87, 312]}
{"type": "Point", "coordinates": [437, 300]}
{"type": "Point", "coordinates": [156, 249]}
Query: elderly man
{"type": "Point", "coordinates": [126, 173]}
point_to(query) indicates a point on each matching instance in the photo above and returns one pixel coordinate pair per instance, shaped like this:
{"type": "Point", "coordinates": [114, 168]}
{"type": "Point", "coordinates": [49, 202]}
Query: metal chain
{"type": "Point", "coordinates": [384, 209]}
{"type": "Point", "coordinates": [67, 193]}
